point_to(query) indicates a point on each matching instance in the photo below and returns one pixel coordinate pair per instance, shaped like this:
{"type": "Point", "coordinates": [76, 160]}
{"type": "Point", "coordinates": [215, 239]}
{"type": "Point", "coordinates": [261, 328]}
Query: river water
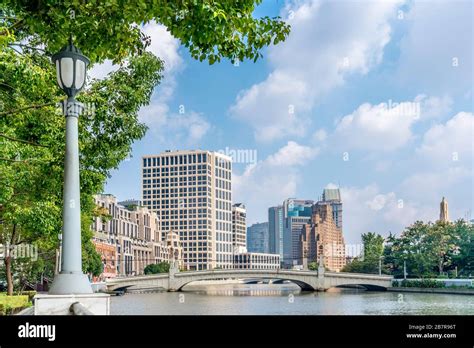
{"type": "Point", "coordinates": [286, 299]}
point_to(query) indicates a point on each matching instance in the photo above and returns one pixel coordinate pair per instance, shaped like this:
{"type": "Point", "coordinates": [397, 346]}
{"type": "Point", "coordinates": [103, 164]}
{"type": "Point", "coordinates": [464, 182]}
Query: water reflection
{"type": "Point", "coordinates": [287, 299]}
{"type": "Point", "coordinates": [243, 289]}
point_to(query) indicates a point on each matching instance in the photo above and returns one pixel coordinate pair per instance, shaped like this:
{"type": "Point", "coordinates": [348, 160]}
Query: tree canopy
{"type": "Point", "coordinates": [154, 268]}
{"type": "Point", "coordinates": [428, 250]}
{"type": "Point", "coordinates": [210, 29]}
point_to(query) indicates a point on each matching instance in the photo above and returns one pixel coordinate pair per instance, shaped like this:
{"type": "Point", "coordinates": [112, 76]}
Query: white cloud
{"type": "Point", "coordinates": [433, 107]}
{"type": "Point", "coordinates": [429, 185]}
{"type": "Point", "coordinates": [451, 143]}
{"type": "Point", "coordinates": [272, 106]}
{"type": "Point", "coordinates": [376, 127]}
{"type": "Point", "coordinates": [292, 154]}
{"type": "Point", "coordinates": [369, 209]}
{"type": "Point", "coordinates": [260, 188]}
{"type": "Point", "coordinates": [379, 201]}
{"type": "Point", "coordinates": [270, 181]}
{"type": "Point", "coordinates": [328, 41]}
{"type": "Point", "coordinates": [439, 34]}
{"type": "Point", "coordinates": [174, 130]}
{"type": "Point", "coordinates": [164, 45]}
{"type": "Point", "coordinates": [387, 126]}
{"type": "Point", "coordinates": [320, 135]}
{"type": "Point", "coordinates": [100, 71]}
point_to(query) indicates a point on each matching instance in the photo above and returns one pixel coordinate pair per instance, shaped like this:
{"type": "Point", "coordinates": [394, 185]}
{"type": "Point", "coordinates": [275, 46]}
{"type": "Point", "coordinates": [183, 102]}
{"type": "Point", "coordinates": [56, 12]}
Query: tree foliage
{"type": "Point", "coordinates": [313, 266]}
{"type": "Point", "coordinates": [210, 29]}
{"type": "Point", "coordinates": [373, 250]}
{"type": "Point", "coordinates": [428, 250]}
{"type": "Point", "coordinates": [155, 268]}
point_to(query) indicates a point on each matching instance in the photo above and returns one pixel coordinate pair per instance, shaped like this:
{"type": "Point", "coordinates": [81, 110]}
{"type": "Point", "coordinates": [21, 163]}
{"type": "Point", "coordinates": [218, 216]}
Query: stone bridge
{"type": "Point", "coordinates": [307, 280]}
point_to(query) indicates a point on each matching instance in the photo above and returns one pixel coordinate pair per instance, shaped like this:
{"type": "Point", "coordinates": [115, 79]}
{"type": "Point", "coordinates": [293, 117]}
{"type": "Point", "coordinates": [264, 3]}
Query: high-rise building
{"type": "Point", "coordinates": [275, 230]}
{"type": "Point", "coordinates": [333, 196]}
{"type": "Point", "coordinates": [443, 210]}
{"type": "Point", "coordinates": [191, 193]}
{"type": "Point", "coordinates": [296, 213]}
{"type": "Point", "coordinates": [322, 238]}
{"type": "Point", "coordinates": [257, 238]}
{"type": "Point", "coordinates": [239, 226]}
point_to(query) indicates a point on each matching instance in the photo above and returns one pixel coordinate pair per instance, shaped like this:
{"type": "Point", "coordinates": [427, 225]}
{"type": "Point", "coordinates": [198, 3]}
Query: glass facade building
{"type": "Point", "coordinates": [296, 213]}
{"type": "Point", "coordinates": [257, 238]}
{"type": "Point", "coordinates": [275, 230]}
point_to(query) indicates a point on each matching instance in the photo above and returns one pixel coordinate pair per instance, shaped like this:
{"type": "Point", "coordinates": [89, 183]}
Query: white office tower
{"type": "Point", "coordinates": [191, 193]}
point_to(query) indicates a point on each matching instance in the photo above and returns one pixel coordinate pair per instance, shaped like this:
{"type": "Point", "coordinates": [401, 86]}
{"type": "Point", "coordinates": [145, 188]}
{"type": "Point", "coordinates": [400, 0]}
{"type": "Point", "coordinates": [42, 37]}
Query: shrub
{"type": "Point", "coordinates": [30, 294]}
{"type": "Point", "coordinates": [13, 304]}
{"type": "Point", "coordinates": [423, 283]}
{"type": "Point", "coordinates": [162, 267]}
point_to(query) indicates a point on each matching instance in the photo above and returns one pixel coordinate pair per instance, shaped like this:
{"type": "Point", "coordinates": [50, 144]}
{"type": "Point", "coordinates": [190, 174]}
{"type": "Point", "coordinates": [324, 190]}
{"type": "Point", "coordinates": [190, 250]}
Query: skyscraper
{"type": "Point", "coordinates": [443, 210]}
{"type": "Point", "coordinates": [275, 230]}
{"type": "Point", "coordinates": [257, 238]}
{"type": "Point", "coordinates": [322, 238]}
{"type": "Point", "coordinates": [191, 193]}
{"type": "Point", "coordinates": [239, 227]}
{"type": "Point", "coordinates": [296, 213]}
{"type": "Point", "coordinates": [333, 196]}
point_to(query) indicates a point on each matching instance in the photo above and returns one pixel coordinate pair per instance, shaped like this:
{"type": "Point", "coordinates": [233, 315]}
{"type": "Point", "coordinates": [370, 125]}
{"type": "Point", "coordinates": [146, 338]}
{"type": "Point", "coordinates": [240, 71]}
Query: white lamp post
{"type": "Point", "coordinates": [71, 67]}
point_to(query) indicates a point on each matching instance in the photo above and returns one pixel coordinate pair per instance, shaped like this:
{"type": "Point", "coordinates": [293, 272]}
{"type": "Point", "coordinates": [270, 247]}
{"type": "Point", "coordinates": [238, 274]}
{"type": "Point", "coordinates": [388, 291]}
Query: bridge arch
{"type": "Point", "coordinates": [303, 285]}
{"type": "Point", "coordinates": [306, 280]}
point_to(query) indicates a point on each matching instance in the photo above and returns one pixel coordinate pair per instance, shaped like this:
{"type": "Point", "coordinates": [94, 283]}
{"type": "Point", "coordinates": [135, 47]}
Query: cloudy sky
{"type": "Point", "coordinates": [372, 97]}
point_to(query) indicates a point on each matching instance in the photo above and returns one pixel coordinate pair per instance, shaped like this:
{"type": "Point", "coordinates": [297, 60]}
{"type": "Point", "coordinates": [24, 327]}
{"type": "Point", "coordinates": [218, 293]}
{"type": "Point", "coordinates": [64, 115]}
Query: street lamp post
{"type": "Point", "coordinates": [71, 67]}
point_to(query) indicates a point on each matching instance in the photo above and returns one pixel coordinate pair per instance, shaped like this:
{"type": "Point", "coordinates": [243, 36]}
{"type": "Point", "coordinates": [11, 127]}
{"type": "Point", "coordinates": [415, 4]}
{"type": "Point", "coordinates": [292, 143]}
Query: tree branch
{"type": "Point", "coordinates": [29, 47]}
{"type": "Point", "coordinates": [36, 106]}
{"type": "Point", "coordinates": [21, 161]}
{"type": "Point", "coordinates": [6, 85]}
{"type": "Point", "coordinates": [21, 141]}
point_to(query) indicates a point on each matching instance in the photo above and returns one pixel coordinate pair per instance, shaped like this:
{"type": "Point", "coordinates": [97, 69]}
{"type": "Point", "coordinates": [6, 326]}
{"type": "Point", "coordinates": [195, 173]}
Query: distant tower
{"type": "Point", "coordinates": [443, 210]}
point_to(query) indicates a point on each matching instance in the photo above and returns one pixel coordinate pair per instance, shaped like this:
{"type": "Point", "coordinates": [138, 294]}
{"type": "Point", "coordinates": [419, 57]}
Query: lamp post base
{"type": "Point", "coordinates": [70, 283]}
{"type": "Point", "coordinates": [48, 304]}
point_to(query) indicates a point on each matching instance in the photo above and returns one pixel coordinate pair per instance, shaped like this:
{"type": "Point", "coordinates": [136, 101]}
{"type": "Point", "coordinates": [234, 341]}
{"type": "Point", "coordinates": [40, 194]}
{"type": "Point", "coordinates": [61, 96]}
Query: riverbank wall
{"type": "Point", "coordinates": [433, 290]}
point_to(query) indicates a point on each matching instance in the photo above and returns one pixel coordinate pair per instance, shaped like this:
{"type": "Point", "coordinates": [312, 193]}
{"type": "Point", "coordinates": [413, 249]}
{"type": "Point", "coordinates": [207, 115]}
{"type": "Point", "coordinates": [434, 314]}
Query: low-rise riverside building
{"type": "Point", "coordinates": [135, 234]}
{"type": "Point", "coordinates": [249, 260]}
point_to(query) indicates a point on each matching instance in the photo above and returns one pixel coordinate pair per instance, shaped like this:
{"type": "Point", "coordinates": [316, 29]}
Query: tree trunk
{"type": "Point", "coordinates": [8, 269]}
{"type": "Point", "coordinates": [8, 262]}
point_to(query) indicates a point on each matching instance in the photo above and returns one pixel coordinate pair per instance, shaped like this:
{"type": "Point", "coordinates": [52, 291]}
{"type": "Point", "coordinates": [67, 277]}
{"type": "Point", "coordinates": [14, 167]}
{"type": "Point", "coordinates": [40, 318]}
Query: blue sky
{"type": "Point", "coordinates": [319, 110]}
